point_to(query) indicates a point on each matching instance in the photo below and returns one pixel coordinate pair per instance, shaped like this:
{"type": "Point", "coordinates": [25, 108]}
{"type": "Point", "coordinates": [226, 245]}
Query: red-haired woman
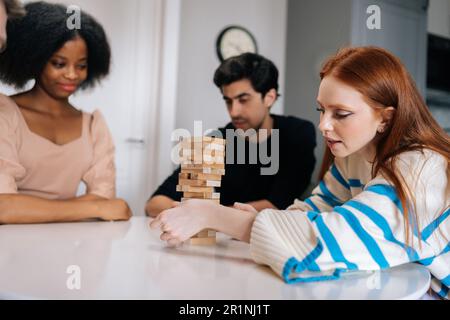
{"type": "Point", "coordinates": [384, 197]}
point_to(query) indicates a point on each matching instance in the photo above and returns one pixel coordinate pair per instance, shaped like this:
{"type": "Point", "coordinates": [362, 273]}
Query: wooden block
{"type": "Point", "coordinates": [197, 139]}
{"type": "Point", "coordinates": [196, 195]}
{"type": "Point", "coordinates": [187, 162]}
{"type": "Point", "coordinates": [213, 160]}
{"type": "Point", "coordinates": [202, 234]}
{"type": "Point", "coordinates": [204, 171]}
{"type": "Point", "coordinates": [203, 166]}
{"type": "Point", "coordinates": [198, 183]}
{"type": "Point", "coordinates": [203, 241]}
{"type": "Point", "coordinates": [211, 233]}
{"type": "Point", "coordinates": [205, 139]}
{"type": "Point", "coordinates": [214, 153]}
{"type": "Point", "coordinates": [213, 171]}
{"type": "Point", "coordinates": [201, 147]}
{"type": "Point", "coordinates": [192, 189]}
{"type": "Point", "coordinates": [213, 200]}
{"type": "Point", "coordinates": [201, 152]}
{"type": "Point", "coordinates": [200, 176]}
{"type": "Point", "coordinates": [189, 154]}
{"type": "Point", "coordinates": [199, 159]}
{"type": "Point", "coordinates": [213, 147]}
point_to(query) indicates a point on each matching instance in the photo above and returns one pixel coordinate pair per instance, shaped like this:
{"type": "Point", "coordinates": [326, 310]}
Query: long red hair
{"type": "Point", "coordinates": [385, 82]}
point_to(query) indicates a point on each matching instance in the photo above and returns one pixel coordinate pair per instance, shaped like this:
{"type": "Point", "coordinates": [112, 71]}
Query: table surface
{"type": "Point", "coordinates": [126, 260]}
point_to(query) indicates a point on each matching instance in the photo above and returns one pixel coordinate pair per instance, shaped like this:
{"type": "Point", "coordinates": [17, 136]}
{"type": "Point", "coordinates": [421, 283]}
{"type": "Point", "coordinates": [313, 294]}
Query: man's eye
{"type": "Point", "coordinates": [320, 110]}
{"type": "Point", "coordinates": [243, 101]}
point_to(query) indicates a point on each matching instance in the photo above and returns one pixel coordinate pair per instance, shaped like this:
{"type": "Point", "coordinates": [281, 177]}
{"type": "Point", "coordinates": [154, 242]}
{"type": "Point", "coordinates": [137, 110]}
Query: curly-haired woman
{"type": "Point", "coordinates": [47, 146]}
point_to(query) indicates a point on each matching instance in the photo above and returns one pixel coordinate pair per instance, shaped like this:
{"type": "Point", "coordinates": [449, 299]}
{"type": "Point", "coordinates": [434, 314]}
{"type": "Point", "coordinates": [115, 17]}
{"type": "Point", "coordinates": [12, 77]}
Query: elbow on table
{"type": "Point", "coordinates": [5, 206]}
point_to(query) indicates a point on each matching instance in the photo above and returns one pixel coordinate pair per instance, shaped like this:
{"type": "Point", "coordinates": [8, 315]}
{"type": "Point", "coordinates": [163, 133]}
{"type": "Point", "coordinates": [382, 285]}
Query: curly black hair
{"type": "Point", "coordinates": [261, 72]}
{"type": "Point", "coordinates": [34, 38]}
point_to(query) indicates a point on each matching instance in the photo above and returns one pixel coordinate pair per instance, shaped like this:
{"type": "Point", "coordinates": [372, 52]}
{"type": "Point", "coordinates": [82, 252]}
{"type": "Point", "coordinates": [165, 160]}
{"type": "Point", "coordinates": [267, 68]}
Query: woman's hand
{"type": "Point", "coordinates": [185, 220]}
{"type": "Point", "coordinates": [112, 210]}
{"type": "Point", "coordinates": [245, 207]}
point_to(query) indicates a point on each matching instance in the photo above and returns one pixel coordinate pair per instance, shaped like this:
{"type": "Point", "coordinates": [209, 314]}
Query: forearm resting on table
{"type": "Point", "coordinates": [158, 204]}
{"type": "Point", "coordinates": [18, 209]}
{"type": "Point", "coordinates": [233, 222]}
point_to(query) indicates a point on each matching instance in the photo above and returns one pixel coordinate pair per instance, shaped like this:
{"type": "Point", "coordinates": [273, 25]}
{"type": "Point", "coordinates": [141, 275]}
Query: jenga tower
{"type": "Point", "coordinates": [202, 168]}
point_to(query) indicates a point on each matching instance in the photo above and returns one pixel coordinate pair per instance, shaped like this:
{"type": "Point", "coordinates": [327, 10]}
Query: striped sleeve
{"type": "Point", "coordinates": [332, 191]}
{"type": "Point", "coordinates": [364, 233]}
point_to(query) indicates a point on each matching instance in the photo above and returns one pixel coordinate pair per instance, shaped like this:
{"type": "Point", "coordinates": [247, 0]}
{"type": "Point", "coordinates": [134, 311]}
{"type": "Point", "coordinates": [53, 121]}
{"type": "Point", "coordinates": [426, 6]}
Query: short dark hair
{"type": "Point", "coordinates": [43, 31]}
{"type": "Point", "coordinates": [261, 72]}
{"type": "Point", "coordinates": [14, 9]}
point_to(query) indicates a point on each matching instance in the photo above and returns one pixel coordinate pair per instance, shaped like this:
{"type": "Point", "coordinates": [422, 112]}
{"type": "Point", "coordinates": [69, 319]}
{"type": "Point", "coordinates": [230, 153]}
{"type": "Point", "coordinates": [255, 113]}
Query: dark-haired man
{"type": "Point", "coordinates": [9, 9]}
{"type": "Point", "coordinates": [249, 85]}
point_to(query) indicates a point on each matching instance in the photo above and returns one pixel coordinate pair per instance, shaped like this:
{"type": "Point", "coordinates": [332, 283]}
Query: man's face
{"type": "Point", "coordinates": [3, 21]}
{"type": "Point", "coordinates": [247, 108]}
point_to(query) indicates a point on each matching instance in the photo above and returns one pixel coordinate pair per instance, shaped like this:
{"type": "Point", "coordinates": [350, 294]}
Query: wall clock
{"type": "Point", "coordinates": [234, 41]}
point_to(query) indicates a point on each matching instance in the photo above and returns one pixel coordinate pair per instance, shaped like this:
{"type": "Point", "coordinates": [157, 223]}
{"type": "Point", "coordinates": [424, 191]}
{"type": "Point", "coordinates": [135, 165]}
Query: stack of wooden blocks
{"type": "Point", "coordinates": [202, 168]}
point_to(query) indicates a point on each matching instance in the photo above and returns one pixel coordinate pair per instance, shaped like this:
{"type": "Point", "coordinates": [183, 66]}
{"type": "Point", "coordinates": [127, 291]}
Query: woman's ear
{"type": "Point", "coordinates": [387, 114]}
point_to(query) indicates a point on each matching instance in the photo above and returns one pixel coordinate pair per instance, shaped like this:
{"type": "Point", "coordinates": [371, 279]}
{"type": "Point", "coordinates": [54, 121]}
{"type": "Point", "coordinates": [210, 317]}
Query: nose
{"type": "Point", "coordinates": [235, 109]}
{"type": "Point", "coordinates": [71, 73]}
{"type": "Point", "coordinates": [325, 124]}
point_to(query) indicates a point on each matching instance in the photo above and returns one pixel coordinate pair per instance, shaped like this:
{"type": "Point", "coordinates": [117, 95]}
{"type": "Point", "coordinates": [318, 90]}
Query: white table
{"type": "Point", "coordinates": [126, 260]}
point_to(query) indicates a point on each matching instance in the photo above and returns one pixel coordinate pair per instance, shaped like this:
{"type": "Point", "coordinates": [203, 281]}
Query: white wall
{"type": "Point", "coordinates": [439, 17]}
{"type": "Point", "coordinates": [201, 22]}
{"type": "Point", "coordinates": [316, 29]}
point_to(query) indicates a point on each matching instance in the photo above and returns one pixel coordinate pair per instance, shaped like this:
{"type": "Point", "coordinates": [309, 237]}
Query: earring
{"type": "Point", "coordinates": [380, 130]}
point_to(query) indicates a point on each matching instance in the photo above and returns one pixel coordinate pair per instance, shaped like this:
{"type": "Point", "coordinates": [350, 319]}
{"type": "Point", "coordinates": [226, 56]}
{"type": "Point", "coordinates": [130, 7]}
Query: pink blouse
{"type": "Point", "coordinates": [33, 165]}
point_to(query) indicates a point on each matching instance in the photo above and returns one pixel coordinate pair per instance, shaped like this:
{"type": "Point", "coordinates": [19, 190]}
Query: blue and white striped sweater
{"type": "Point", "coordinates": [353, 222]}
